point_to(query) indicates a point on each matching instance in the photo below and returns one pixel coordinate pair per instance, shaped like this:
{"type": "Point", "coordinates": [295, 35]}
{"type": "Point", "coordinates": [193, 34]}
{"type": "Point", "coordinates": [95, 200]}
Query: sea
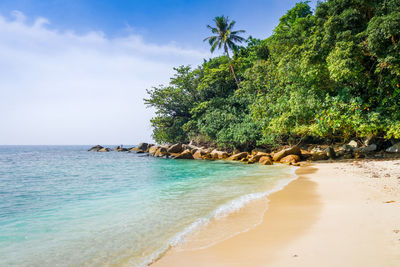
{"type": "Point", "coordinates": [65, 206]}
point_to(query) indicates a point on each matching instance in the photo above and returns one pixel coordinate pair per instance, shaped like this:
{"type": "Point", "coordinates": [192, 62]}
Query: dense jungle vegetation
{"type": "Point", "coordinates": [326, 75]}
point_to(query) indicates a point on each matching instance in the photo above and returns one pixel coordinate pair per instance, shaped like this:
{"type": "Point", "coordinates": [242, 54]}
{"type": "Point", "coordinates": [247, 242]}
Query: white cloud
{"type": "Point", "coordinates": [58, 87]}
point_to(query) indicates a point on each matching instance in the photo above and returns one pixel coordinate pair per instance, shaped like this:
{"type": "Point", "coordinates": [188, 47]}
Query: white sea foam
{"type": "Point", "coordinates": [221, 211]}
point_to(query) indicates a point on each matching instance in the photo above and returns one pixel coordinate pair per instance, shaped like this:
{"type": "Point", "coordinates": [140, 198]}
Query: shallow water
{"type": "Point", "coordinates": [64, 206]}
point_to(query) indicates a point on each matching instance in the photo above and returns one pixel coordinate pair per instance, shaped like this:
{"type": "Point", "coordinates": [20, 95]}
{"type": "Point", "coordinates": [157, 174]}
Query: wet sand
{"type": "Point", "coordinates": [334, 214]}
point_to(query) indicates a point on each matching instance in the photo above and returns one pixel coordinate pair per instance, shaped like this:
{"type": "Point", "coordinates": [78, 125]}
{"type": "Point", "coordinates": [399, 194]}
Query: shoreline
{"type": "Point", "coordinates": [327, 216]}
{"type": "Point", "coordinates": [247, 212]}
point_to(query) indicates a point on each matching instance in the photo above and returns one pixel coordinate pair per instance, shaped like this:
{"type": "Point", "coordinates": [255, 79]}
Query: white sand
{"type": "Point", "coordinates": [335, 214]}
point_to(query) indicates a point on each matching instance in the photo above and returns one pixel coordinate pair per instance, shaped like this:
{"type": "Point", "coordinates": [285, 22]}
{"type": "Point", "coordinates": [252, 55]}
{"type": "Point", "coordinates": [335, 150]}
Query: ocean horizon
{"type": "Point", "coordinates": [65, 206]}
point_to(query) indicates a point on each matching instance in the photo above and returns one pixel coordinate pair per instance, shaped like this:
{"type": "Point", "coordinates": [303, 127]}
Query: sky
{"type": "Point", "coordinates": [76, 71]}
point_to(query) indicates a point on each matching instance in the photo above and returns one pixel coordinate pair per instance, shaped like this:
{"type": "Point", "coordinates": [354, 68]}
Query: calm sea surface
{"type": "Point", "coordinates": [64, 206]}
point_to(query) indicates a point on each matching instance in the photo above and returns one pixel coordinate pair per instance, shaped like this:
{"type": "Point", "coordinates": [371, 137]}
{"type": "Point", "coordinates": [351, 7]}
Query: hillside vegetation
{"type": "Point", "coordinates": [323, 76]}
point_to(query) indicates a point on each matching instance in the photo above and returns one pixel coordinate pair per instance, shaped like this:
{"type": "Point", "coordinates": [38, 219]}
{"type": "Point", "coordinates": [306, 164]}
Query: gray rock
{"type": "Point", "coordinates": [347, 148]}
{"type": "Point", "coordinates": [369, 148]}
{"type": "Point", "coordinates": [330, 152]}
{"type": "Point", "coordinates": [394, 149]}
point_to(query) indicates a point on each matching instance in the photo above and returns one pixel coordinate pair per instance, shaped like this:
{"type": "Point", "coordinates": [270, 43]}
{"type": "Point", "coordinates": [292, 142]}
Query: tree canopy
{"type": "Point", "coordinates": [328, 75]}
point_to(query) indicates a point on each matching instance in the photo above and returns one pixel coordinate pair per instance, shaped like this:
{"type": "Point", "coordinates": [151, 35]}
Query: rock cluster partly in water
{"type": "Point", "coordinates": [291, 155]}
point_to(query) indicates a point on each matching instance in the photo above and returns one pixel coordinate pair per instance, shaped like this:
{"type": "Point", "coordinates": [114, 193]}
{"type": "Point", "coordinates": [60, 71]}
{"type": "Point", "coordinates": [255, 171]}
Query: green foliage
{"type": "Point", "coordinates": [333, 75]}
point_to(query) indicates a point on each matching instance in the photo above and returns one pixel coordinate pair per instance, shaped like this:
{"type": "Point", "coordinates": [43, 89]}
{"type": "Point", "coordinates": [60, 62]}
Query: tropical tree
{"type": "Point", "coordinates": [225, 38]}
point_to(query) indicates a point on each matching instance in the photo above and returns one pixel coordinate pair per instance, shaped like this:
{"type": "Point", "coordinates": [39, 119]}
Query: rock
{"type": "Point", "coordinates": [318, 156]}
{"type": "Point", "coordinates": [161, 152]}
{"type": "Point", "coordinates": [316, 149]}
{"type": "Point", "coordinates": [184, 155]}
{"type": "Point", "coordinates": [353, 144]}
{"type": "Point", "coordinates": [153, 150]}
{"type": "Point", "coordinates": [136, 149]}
{"type": "Point", "coordinates": [290, 159]}
{"type": "Point", "coordinates": [294, 150]}
{"type": "Point", "coordinates": [177, 148]}
{"type": "Point", "coordinates": [257, 150]}
{"type": "Point", "coordinates": [207, 156]}
{"type": "Point", "coordinates": [95, 148]}
{"type": "Point", "coordinates": [122, 149]}
{"type": "Point", "coordinates": [305, 155]}
{"type": "Point", "coordinates": [348, 156]}
{"type": "Point", "coordinates": [238, 156]}
{"type": "Point", "coordinates": [116, 148]}
{"type": "Point", "coordinates": [394, 149]}
{"type": "Point", "coordinates": [340, 153]}
{"type": "Point", "coordinates": [262, 154]}
{"type": "Point", "coordinates": [143, 146]}
{"type": "Point", "coordinates": [330, 152]}
{"type": "Point", "coordinates": [266, 160]}
{"type": "Point", "coordinates": [191, 147]}
{"type": "Point", "coordinates": [347, 148]}
{"type": "Point", "coordinates": [148, 147]}
{"type": "Point", "coordinates": [104, 149]}
{"type": "Point", "coordinates": [215, 154]}
{"type": "Point", "coordinates": [369, 148]}
{"type": "Point", "coordinates": [359, 154]}
{"type": "Point", "coordinates": [256, 157]}
{"type": "Point", "coordinates": [199, 154]}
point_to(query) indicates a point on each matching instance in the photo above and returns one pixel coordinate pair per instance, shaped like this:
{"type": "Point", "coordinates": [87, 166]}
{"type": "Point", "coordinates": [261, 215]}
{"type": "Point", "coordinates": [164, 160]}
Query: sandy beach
{"type": "Point", "coordinates": [334, 214]}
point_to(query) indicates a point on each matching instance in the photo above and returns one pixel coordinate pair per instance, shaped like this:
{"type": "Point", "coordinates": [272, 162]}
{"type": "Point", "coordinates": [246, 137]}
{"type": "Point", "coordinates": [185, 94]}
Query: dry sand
{"type": "Point", "coordinates": [335, 214]}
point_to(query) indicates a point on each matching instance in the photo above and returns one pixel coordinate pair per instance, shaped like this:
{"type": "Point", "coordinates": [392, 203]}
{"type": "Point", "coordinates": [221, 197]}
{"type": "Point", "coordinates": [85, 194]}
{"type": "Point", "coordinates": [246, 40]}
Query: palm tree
{"type": "Point", "coordinates": [225, 38]}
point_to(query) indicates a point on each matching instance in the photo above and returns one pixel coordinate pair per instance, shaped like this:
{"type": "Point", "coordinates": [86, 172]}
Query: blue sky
{"type": "Point", "coordinates": [76, 72]}
{"type": "Point", "coordinates": [156, 20]}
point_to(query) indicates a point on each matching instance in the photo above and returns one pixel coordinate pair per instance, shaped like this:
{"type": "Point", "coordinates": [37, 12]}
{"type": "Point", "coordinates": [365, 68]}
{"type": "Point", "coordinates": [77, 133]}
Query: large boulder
{"type": "Point", "coordinates": [290, 159]}
{"type": "Point", "coordinates": [199, 154]}
{"type": "Point", "coordinates": [122, 149]}
{"type": "Point", "coordinates": [315, 156]}
{"type": "Point", "coordinates": [184, 155]}
{"type": "Point", "coordinates": [148, 147]}
{"type": "Point", "coordinates": [266, 160]}
{"type": "Point", "coordinates": [369, 148]}
{"type": "Point", "coordinates": [256, 158]}
{"type": "Point", "coordinates": [95, 148]}
{"type": "Point", "coordinates": [238, 156]}
{"type": "Point", "coordinates": [207, 156]}
{"type": "Point", "coordinates": [394, 149]}
{"type": "Point", "coordinates": [330, 152]}
{"type": "Point", "coordinates": [104, 149]}
{"type": "Point", "coordinates": [177, 148]}
{"type": "Point", "coordinates": [136, 149]}
{"type": "Point", "coordinates": [153, 150]}
{"type": "Point", "coordinates": [294, 150]}
{"type": "Point", "coordinates": [216, 154]}
{"type": "Point", "coordinates": [161, 152]}
{"type": "Point", "coordinates": [143, 146]}
{"type": "Point", "coordinates": [305, 155]}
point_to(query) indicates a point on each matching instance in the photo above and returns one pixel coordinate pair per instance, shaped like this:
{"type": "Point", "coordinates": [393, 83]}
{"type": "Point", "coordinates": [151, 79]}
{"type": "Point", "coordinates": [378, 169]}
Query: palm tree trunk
{"type": "Point", "coordinates": [231, 66]}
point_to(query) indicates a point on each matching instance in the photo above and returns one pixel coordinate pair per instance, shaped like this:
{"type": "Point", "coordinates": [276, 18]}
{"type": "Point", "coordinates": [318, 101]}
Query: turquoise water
{"type": "Point", "coordinates": [64, 206]}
